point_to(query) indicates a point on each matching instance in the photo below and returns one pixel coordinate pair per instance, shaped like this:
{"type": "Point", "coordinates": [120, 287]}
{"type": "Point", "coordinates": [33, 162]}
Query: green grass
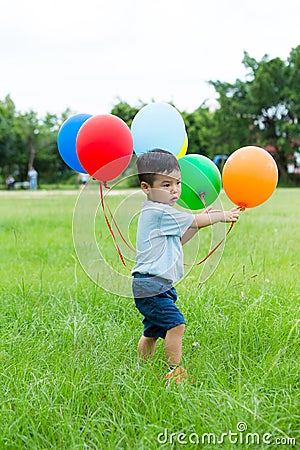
{"type": "Point", "coordinates": [69, 374]}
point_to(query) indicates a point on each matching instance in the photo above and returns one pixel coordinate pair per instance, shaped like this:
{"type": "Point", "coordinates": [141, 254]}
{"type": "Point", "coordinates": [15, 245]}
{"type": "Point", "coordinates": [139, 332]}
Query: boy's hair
{"type": "Point", "coordinates": [155, 162]}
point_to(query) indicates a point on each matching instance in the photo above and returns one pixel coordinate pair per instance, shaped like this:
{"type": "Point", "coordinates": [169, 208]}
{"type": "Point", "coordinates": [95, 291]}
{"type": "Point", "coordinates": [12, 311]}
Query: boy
{"type": "Point", "coordinates": [162, 230]}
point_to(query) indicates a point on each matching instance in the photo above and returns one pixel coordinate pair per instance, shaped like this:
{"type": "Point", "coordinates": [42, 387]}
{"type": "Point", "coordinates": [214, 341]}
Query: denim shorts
{"type": "Point", "coordinates": [159, 311]}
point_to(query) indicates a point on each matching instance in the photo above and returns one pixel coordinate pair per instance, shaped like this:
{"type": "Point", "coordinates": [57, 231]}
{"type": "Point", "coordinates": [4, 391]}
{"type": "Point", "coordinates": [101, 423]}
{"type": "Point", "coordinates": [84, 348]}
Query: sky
{"type": "Point", "coordinates": [89, 55]}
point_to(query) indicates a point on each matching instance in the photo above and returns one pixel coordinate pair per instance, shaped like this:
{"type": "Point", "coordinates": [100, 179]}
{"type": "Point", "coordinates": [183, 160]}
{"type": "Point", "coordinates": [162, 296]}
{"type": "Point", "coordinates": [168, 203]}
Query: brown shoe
{"type": "Point", "coordinates": [177, 375]}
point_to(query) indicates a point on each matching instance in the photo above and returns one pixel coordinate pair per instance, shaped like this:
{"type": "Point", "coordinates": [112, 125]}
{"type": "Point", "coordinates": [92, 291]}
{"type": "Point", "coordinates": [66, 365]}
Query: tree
{"type": "Point", "coordinates": [48, 160]}
{"type": "Point", "coordinates": [27, 128]}
{"type": "Point", "coordinates": [8, 138]}
{"type": "Point", "coordinates": [125, 112]}
{"type": "Point", "coordinates": [264, 109]}
{"type": "Point", "coordinates": [200, 128]}
{"type": "Point", "coordinates": [27, 140]}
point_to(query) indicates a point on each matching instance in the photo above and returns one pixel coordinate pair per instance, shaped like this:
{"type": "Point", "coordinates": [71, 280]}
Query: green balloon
{"type": "Point", "coordinates": [199, 175]}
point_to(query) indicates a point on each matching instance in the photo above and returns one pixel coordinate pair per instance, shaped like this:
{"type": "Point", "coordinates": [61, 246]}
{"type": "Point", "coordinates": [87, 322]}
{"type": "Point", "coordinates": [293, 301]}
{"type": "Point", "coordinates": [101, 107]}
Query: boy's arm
{"type": "Point", "coordinates": [209, 218]}
{"type": "Point", "coordinates": [214, 216]}
{"type": "Point", "coordinates": [190, 232]}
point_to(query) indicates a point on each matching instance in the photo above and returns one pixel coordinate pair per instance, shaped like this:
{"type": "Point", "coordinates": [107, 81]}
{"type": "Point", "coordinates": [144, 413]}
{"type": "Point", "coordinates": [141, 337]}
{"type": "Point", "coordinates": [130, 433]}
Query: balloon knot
{"type": "Point", "coordinates": [201, 196]}
{"type": "Point", "coordinates": [105, 184]}
{"type": "Point", "coordinates": [242, 206]}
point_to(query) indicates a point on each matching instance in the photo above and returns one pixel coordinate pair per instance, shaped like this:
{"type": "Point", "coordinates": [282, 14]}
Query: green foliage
{"type": "Point", "coordinates": [25, 139]}
{"type": "Point", "coordinates": [201, 131]}
{"type": "Point", "coordinates": [51, 164]}
{"type": "Point", "coordinates": [8, 138]}
{"type": "Point", "coordinates": [125, 112]}
{"type": "Point", "coordinates": [233, 120]}
{"type": "Point", "coordinates": [263, 110]}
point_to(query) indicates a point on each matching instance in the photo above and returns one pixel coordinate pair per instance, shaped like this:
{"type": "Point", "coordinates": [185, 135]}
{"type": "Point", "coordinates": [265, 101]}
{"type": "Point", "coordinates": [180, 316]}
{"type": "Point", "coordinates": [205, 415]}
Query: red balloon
{"type": "Point", "coordinates": [104, 146]}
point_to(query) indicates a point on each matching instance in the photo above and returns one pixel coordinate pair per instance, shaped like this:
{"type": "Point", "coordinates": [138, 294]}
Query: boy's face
{"type": "Point", "coordinates": [165, 189]}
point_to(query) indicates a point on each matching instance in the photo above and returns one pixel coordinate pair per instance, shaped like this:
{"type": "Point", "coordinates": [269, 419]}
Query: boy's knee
{"type": "Point", "coordinates": [179, 329]}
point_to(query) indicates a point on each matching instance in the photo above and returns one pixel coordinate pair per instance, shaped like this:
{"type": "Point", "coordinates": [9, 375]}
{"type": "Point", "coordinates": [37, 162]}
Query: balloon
{"type": "Point", "coordinates": [183, 148]}
{"type": "Point", "coordinates": [249, 176]}
{"type": "Point", "coordinates": [199, 175]}
{"type": "Point", "coordinates": [104, 146]}
{"type": "Point", "coordinates": [66, 140]}
{"type": "Point", "coordinates": [158, 126]}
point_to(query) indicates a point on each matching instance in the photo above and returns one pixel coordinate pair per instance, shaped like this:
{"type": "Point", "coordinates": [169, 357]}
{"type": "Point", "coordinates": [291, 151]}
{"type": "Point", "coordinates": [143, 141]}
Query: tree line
{"type": "Point", "coordinates": [263, 110]}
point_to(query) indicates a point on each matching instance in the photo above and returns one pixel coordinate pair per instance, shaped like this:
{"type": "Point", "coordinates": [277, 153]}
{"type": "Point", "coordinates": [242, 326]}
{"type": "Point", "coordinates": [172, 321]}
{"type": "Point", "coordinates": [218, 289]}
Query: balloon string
{"type": "Point", "coordinates": [118, 229]}
{"type": "Point", "coordinates": [115, 222]}
{"type": "Point", "coordinates": [131, 248]}
{"type": "Point", "coordinates": [105, 184]}
{"type": "Point", "coordinates": [241, 207]}
{"type": "Point", "coordinates": [214, 249]}
{"type": "Point", "coordinates": [110, 227]}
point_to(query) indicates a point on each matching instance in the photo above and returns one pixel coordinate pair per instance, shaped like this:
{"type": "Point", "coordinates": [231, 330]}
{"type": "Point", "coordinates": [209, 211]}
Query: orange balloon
{"type": "Point", "coordinates": [249, 176]}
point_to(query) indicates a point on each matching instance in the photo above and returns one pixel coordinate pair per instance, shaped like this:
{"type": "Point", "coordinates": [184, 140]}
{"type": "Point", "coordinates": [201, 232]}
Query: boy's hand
{"type": "Point", "coordinates": [232, 215]}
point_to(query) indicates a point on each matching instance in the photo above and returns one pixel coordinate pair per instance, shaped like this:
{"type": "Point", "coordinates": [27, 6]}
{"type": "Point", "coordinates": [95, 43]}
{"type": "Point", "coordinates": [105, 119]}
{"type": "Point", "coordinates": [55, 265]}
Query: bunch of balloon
{"type": "Point", "coordinates": [66, 140]}
{"type": "Point", "coordinates": [158, 126]}
{"type": "Point", "coordinates": [200, 180]}
{"type": "Point", "coordinates": [249, 176]}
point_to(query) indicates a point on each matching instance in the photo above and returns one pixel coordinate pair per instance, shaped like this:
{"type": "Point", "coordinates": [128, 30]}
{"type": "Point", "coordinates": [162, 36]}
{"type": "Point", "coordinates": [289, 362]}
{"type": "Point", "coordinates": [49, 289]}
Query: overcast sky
{"type": "Point", "coordinates": [89, 54]}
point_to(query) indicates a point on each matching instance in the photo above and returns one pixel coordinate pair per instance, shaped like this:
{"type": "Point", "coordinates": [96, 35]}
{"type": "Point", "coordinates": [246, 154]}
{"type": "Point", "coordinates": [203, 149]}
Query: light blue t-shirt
{"type": "Point", "coordinates": [158, 245]}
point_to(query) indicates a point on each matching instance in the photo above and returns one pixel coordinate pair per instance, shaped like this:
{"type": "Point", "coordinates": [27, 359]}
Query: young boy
{"type": "Point", "coordinates": [162, 230]}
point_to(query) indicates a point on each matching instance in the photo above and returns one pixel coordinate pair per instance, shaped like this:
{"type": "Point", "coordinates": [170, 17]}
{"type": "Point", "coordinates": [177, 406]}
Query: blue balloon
{"type": "Point", "coordinates": [158, 125]}
{"type": "Point", "coordinates": [66, 140]}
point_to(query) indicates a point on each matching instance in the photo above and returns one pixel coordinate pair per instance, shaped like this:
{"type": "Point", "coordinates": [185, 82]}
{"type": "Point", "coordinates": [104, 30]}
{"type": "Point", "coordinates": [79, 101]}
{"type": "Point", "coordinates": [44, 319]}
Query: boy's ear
{"type": "Point", "coordinates": [145, 187]}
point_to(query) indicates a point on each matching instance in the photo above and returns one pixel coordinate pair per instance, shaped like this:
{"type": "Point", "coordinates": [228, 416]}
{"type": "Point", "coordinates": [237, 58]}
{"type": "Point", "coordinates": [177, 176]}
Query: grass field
{"type": "Point", "coordinates": [69, 373]}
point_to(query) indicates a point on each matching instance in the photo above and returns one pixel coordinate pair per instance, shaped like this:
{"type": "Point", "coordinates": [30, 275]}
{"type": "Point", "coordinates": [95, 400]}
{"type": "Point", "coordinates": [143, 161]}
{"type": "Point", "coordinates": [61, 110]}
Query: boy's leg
{"type": "Point", "coordinates": [173, 350]}
{"type": "Point", "coordinates": [146, 347]}
{"type": "Point", "coordinates": [173, 344]}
